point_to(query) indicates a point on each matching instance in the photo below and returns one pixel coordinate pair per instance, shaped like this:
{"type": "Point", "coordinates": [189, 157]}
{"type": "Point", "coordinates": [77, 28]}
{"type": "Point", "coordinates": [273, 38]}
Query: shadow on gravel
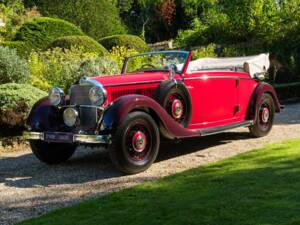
{"type": "Point", "coordinates": [90, 164]}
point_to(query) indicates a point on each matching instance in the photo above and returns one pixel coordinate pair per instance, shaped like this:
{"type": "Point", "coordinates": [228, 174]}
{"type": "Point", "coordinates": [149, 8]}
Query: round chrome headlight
{"type": "Point", "coordinates": [97, 95]}
{"type": "Point", "coordinates": [56, 96]}
{"type": "Point", "coordinates": [70, 117]}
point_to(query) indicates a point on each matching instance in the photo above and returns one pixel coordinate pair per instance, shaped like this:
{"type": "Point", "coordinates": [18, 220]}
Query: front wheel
{"type": "Point", "coordinates": [52, 153]}
{"type": "Point", "coordinates": [135, 143]}
{"type": "Point", "coordinates": [264, 117]}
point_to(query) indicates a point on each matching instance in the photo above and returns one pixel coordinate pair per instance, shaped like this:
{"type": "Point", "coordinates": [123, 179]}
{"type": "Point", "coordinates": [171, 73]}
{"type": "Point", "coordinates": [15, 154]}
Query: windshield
{"type": "Point", "coordinates": [156, 61]}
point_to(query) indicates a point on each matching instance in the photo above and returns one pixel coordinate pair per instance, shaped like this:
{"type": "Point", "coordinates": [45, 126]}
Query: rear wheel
{"type": "Point", "coordinates": [264, 117]}
{"type": "Point", "coordinates": [52, 153]}
{"type": "Point", "coordinates": [135, 143]}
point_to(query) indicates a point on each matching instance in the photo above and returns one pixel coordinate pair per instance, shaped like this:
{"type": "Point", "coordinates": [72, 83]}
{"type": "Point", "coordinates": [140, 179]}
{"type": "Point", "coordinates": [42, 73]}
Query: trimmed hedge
{"type": "Point", "coordinates": [97, 18]}
{"type": "Point", "coordinates": [38, 33]}
{"type": "Point", "coordinates": [129, 41]}
{"type": "Point", "coordinates": [16, 101]}
{"type": "Point", "coordinates": [86, 43]}
{"type": "Point", "coordinates": [21, 47]}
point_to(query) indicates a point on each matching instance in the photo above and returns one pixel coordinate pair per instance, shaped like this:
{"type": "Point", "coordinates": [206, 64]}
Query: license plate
{"type": "Point", "coordinates": [58, 137]}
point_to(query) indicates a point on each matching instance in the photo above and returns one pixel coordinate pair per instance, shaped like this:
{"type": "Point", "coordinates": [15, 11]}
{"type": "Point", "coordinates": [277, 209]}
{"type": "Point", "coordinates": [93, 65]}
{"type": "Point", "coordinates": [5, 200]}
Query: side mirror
{"type": "Point", "coordinates": [260, 76]}
{"type": "Point", "coordinates": [172, 71]}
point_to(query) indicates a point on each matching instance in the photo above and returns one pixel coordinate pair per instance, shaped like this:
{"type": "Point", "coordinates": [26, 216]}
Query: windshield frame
{"type": "Point", "coordinates": [124, 68]}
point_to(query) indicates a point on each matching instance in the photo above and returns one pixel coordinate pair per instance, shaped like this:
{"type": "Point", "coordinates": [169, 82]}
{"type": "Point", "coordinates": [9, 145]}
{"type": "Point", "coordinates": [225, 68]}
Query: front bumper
{"type": "Point", "coordinates": [71, 138]}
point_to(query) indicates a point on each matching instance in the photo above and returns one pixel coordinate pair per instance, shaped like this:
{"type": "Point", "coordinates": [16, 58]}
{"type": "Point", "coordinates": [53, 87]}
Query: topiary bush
{"type": "Point", "coordinates": [129, 41]}
{"type": "Point", "coordinates": [86, 43]}
{"type": "Point", "coordinates": [16, 101]}
{"type": "Point", "coordinates": [12, 67]}
{"type": "Point", "coordinates": [97, 18]}
{"type": "Point", "coordinates": [21, 47]}
{"type": "Point", "coordinates": [38, 33]}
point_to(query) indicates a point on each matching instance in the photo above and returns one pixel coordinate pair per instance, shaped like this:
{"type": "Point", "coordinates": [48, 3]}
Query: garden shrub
{"type": "Point", "coordinates": [38, 33]}
{"type": "Point", "coordinates": [97, 67]}
{"type": "Point", "coordinates": [16, 101]}
{"type": "Point", "coordinates": [209, 51]}
{"type": "Point", "coordinates": [88, 44]}
{"type": "Point", "coordinates": [119, 53]}
{"type": "Point", "coordinates": [129, 41]}
{"type": "Point", "coordinates": [21, 47]}
{"type": "Point", "coordinates": [12, 67]}
{"type": "Point", "coordinates": [62, 68]}
{"type": "Point", "coordinates": [97, 18]}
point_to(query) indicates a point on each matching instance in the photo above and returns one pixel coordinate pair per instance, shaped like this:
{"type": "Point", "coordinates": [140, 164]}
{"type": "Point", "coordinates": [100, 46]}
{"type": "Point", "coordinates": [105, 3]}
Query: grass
{"type": "Point", "coordinates": [261, 187]}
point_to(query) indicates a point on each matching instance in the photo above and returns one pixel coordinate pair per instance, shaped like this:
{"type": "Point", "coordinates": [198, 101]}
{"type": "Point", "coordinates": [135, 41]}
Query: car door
{"type": "Point", "coordinates": [214, 98]}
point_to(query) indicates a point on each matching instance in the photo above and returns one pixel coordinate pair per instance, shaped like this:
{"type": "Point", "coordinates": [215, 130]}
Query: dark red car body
{"type": "Point", "coordinates": [216, 101]}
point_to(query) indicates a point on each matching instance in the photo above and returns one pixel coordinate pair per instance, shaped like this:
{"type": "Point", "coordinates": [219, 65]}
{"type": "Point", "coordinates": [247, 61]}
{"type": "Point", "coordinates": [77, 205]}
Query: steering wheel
{"type": "Point", "coordinates": [147, 66]}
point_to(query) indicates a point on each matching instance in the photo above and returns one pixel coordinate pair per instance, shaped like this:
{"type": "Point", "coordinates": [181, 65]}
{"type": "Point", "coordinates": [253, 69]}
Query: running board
{"type": "Point", "coordinates": [220, 129]}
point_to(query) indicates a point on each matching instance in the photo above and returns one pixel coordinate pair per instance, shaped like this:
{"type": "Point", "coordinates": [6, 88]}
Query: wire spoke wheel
{"type": "Point", "coordinates": [264, 117]}
{"type": "Point", "coordinates": [135, 144]}
{"type": "Point", "coordinates": [138, 141]}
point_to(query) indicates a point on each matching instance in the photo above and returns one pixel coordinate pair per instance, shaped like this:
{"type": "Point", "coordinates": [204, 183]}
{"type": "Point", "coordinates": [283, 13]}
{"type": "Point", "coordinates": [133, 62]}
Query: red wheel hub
{"type": "Point", "coordinates": [177, 109]}
{"type": "Point", "coordinates": [139, 141]}
{"type": "Point", "coordinates": [265, 114]}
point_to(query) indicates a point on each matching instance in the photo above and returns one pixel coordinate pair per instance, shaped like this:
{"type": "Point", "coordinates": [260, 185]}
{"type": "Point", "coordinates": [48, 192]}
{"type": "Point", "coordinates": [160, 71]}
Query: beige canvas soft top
{"type": "Point", "coordinates": [250, 64]}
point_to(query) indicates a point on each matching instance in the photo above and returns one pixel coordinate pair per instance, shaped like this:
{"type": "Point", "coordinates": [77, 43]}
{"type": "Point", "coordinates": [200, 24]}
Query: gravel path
{"type": "Point", "coordinates": [29, 188]}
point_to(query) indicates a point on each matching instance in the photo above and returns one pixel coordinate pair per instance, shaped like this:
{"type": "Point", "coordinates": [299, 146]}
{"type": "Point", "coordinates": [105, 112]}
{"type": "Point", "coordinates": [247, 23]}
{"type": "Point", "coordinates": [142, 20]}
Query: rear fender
{"type": "Point", "coordinates": [119, 110]}
{"type": "Point", "coordinates": [261, 89]}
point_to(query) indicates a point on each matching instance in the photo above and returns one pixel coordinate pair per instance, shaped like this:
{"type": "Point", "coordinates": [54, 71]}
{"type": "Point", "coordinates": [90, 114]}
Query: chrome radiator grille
{"type": "Point", "coordinates": [80, 95]}
{"type": "Point", "coordinates": [88, 118]}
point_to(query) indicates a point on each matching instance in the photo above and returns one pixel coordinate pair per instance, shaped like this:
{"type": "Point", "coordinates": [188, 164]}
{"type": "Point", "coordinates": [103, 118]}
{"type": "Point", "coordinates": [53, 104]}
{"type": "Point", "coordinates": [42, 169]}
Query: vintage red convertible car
{"type": "Point", "coordinates": [158, 94]}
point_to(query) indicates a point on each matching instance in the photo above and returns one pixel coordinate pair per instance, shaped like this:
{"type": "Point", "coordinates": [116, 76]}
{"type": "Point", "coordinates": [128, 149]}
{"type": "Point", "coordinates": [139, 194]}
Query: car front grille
{"type": "Point", "coordinates": [88, 114]}
{"type": "Point", "coordinates": [80, 95]}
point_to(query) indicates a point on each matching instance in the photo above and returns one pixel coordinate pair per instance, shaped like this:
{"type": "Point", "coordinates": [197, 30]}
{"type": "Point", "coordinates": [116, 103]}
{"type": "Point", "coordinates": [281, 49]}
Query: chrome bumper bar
{"type": "Point", "coordinates": [77, 138]}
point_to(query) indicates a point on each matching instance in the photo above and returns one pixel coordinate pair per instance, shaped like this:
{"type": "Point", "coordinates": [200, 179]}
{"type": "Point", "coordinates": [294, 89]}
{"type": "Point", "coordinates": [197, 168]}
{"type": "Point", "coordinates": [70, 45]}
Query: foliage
{"type": "Point", "coordinates": [12, 67]}
{"type": "Point", "coordinates": [97, 67]}
{"type": "Point", "coordinates": [129, 41]}
{"type": "Point", "coordinates": [12, 15]}
{"type": "Point", "coordinates": [167, 11]}
{"type": "Point", "coordinates": [257, 187]}
{"type": "Point", "coordinates": [209, 51]}
{"type": "Point", "coordinates": [15, 103]}
{"type": "Point", "coordinates": [231, 21]}
{"type": "Point", "coordinates": [62, 68]}
{"type": "Point", "coordinates": [154, 20]}
{"type": "Point", "coordinates": [20, 46]}
{"type": "Point", "coordinates": [97, 18]}
{"type": "Point", "coordinates": [119, 53]}
{"type": "Point", "coordinates": [38, 33]}
{"type": "Point", "coordinates": [86, 43]}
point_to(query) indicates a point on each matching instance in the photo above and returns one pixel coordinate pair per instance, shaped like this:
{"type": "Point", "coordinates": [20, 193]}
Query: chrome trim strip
{"type": "Point", "coordinates": [205, 77]}
{"type": "Point", "coordinates": [185, 78]}
{"type": "Point", "coordinates": [133, 83]}
{"type": "Point", "coordinates": [221, 129]}
{"type": "Point", "coordinates": [77, 138]}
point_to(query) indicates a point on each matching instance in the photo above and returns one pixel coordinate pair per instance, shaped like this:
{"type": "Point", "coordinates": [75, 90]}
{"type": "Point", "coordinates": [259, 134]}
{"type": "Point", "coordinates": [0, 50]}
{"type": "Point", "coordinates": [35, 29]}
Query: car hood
{"type": "Point", "coordinates": [131, 78]}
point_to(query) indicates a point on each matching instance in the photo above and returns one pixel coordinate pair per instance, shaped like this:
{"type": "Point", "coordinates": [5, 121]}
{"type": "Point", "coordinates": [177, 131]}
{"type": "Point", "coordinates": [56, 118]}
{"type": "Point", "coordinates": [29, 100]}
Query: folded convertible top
{"type": "Point", "coordinates": [250, 64]}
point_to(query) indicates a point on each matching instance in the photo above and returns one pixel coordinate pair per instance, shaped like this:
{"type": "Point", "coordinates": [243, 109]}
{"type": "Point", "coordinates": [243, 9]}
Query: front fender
{"type": "Point", "coordinates": [118, 111]}
{"type": "Point", "coordinates": [258, 93]}
{"type": "Point", "coordinates": [44, 116]}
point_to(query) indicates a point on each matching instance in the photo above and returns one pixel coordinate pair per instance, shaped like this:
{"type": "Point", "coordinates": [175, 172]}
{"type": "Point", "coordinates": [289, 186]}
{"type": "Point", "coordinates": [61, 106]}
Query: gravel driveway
{"type": "Point", "coordinates": [29, 188]}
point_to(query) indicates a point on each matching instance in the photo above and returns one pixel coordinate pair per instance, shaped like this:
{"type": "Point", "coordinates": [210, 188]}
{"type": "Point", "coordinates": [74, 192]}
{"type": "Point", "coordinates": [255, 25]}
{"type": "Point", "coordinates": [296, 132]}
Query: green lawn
{"type": "Point", "coordinates": [261, 187]}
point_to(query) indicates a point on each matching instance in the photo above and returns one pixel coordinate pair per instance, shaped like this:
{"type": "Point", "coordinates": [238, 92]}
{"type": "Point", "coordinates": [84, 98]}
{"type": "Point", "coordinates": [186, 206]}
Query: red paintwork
{"type": "Point", "coordinates": [218, 98]}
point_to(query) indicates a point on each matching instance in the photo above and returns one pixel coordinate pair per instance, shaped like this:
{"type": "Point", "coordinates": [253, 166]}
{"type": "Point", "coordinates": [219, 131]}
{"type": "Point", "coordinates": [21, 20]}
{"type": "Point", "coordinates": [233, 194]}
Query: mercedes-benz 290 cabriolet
{"type": "Point", "coordinates": [158, 94]}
